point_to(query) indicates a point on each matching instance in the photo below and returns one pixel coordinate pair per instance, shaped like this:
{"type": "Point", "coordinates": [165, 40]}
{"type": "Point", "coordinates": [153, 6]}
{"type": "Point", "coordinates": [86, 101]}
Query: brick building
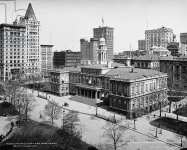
{"type": "Point", "coordinates": [66, 58]}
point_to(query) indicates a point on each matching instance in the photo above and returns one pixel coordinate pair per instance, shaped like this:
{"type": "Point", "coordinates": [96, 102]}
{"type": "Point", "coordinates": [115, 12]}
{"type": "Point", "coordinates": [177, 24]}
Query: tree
{"type": "Point", "coordinates": [35, 80]}
{"type": "Point", "coordinates": [114, 132]}
{"type": "Point", "coordinates": [52, 110]}
{"type": "Point", "coordinates": [70, 134]}
{"type": "Point", "coordinates": [12, 89]}
{"type": "Point", "coordinates": [45, 87]}
{"type": "Point", "coordinates": [24, 103]}
{"type": "Point", "coordinates": [2, 89]}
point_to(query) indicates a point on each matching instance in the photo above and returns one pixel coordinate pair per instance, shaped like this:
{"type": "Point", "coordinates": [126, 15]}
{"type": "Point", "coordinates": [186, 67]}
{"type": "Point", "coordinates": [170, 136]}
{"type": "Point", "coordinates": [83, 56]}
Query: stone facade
{"type": "Point", "coordinates": [176, 68]}
{"type": "Point", "coordinates": [158, 37]}
{"type": "Point", "coordinates": [59, 81]}
{"type": "Point", "coordinates": [121, 88]}
{"type": "Point", "coordinates": [12, 50]}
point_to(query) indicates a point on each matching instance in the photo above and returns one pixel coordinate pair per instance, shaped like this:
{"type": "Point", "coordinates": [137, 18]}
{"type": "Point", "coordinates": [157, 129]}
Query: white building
{"type": "Point", "coordinates": [158, 37]}
{"type": "Point", "coordinates": [32, 44]}
{"type": "Point", "coordinates": [12, 50]}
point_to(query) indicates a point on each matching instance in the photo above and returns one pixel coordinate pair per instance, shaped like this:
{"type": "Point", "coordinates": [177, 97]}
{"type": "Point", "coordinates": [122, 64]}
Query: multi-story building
{"type": "Point", "coordinates": [107, 33]}
{"type": "Point", "coordinates": [127, 89]}
{"type": "Point", "coordinates": [141, 45]}
{"type": "Point", "coordinates": [146, 62]}
{"type": "Point", "coordinates": [137, 91]}
{"type": "Point", "coordinates": [32, 45]}
{"type": "Point", "coordinates": [46, 58]}
{"type": "Point", "coordinates": [59, 80]}
{"type": "Point", "coordinates": [173, 47]}
{"type": "Point", "coordinates": [66, 58]}
{"type": "Point", "coordinates": [158, 37]}
{"type": "Point", "coordinates": [176, 68]}
{"type": "Point", "coordinates": [183, 38]}
{"type": "Point", "coordinates": [124, 88]}
{"type": "Point", "coordinates": [89, 50]}
{"type": "Point", "coordinates": [12, 50]}
{"type": "Point", "coordinates": [183, 43]}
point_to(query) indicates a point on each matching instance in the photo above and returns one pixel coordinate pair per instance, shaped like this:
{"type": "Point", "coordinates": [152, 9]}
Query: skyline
{"type": "Point", "coordinates": [65, 22]}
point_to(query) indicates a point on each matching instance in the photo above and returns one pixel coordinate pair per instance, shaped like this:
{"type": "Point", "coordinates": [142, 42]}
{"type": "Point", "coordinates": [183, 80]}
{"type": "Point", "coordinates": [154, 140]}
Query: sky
{"type": "Point", "coordinates": [65, 22]}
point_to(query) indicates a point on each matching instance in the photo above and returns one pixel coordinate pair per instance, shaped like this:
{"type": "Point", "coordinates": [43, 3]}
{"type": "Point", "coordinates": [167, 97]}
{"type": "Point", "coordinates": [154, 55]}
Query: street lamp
{"type": "Point", "coordinates": [63, 111]}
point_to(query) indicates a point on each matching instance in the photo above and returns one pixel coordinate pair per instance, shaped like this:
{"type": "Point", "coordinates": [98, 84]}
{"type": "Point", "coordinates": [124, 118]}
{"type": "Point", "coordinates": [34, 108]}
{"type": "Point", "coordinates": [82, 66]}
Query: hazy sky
{"type": "Point", "coordinates": [64, 22]}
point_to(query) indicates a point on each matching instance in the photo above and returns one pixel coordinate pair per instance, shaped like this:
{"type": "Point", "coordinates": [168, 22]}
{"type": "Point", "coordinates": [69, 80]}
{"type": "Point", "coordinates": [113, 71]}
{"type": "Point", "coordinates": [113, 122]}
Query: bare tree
{"type": "Point", "coordinates": [70, 134]}
{"type": "Point", "coordinates": [2, 89]}
{"type": "Point", "coordinates": [52, 110]}
{"type": "Point", "coordinates": [45, 87]}
{"type": "Point", "coordinates": [114, 132]}
{"type": "Point", "coordinates": [24, 103]}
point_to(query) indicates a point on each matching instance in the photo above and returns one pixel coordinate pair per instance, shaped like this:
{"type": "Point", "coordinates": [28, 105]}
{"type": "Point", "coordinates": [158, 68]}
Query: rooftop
{"type": "Point", "coordinates": [147, 57]}
{"type": "Point", "coordinates": [65, 69]}
{"type": "Point", "coordinates": [102, 66]}
{"type": "Point", "coordinates": [131, 74]}
{"type": "Point", "coordinates": [174, 58]}
{"type": "Point", "coordinates": [12, 26]}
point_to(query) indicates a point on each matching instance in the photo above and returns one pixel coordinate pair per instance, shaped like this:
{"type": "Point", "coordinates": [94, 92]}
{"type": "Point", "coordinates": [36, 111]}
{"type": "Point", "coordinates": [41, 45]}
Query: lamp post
{"type": "Point", "coordinates": [63, 111]}
{"type": "Point", "coordinates": [160, 109]}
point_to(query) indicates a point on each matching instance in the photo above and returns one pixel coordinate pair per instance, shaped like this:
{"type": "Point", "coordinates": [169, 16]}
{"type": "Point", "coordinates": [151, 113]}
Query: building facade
{"type": "Point", "coordinates": [59, 80]}
{"type": "Point", "coordinates": [89, 49]}
{"type": "Point", "coordinates": [173, 47]}
{"type": "Point", "coordinates": [46, 58]}
{"type": "Point", "coordinates": [137, 91]}
{"type": "Point", "coordinates": [158, 37]}
{"type": "Point", "coordinates": [12, 50]}
{"type": "Point", "coordinates": [127, 89]}
{"type": "Point", "coordinates": [141, 45]}
{"type": "Point", "coordinates": [183, 38]}
{"type": "Point", "coordinates": [66, 58]}
{"type": "Point", "coordinates": [32, 44]}
{"type": "Point", "coordinates": [176, 68]}
{"type": "Point", "coordinates": [146, 62]}
{"type": "Point", "coordinates": [107, 33]}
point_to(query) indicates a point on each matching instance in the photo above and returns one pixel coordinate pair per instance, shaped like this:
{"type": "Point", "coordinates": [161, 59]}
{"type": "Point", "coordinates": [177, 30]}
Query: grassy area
{"type": "Point", "coordinates": [7, 109]}
{"type": "Point", "coordinates": [173, 125]}
{"type": "Point", "coordinates": [37, 133]}
{"type": "Point", "coordinates": [182, 111]}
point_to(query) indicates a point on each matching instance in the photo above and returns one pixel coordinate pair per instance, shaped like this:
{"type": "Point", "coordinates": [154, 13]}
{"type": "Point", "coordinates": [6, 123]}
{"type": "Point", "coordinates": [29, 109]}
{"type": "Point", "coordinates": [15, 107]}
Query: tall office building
{"type": "Point", "coordinates": [141, 44]}
{"type": "Point", "coordinates": [107, 33]}
{"type": "Point", "coordinates": [46, 58]}
{"type": "Point", "coordinates": [183, 38]}
{"type": "Point", "coordinates": [183, 43]}
{"type": "Point", "coordinates": [12, 50]}
{"type": "Point", "coordinates": [158, 37]}
{"type": "Point", "coordinates": [89, 49]}
{"type": "Point", "coordinates": [32, 25]}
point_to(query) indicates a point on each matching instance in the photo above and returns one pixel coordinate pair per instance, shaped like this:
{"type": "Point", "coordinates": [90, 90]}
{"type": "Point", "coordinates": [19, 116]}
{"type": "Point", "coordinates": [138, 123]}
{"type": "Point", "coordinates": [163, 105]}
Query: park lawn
{"type": "Point", "coordinates": [37, 133]}
{"type": "Point", "coordinates": [7, 109]}
{"type": "Point", "coordinates": [173, 125]}
{"type": "Point", "coordinates": [182, 111]}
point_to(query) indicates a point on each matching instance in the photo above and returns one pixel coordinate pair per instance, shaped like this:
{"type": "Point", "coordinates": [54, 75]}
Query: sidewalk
{"type": "Point", "coordinates": [142, 124]}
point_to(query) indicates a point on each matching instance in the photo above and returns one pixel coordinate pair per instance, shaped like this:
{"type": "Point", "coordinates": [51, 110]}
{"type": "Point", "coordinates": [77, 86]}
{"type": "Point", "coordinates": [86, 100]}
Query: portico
{"type": "Point", "coordinates": [88, 91]}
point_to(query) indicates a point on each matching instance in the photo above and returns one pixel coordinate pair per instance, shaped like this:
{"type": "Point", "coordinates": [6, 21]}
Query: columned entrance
{"type": "Point", "coordinates": [89, 93]}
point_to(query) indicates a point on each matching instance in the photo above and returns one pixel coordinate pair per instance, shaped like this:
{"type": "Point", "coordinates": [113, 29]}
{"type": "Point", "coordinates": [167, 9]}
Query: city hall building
{"type": "Point", "coordinates": [124, 88]}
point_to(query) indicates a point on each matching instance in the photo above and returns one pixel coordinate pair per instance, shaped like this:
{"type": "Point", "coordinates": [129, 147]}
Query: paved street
{"type": "Point", "coordinates": [92, 127]}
